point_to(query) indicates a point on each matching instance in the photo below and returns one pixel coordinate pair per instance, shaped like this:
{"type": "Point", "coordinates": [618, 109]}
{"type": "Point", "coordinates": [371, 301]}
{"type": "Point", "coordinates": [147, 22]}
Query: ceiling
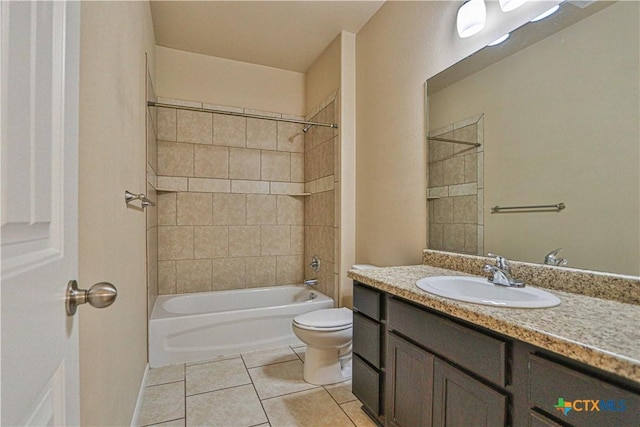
{"type": "Point", "coordinates": [288, 35]}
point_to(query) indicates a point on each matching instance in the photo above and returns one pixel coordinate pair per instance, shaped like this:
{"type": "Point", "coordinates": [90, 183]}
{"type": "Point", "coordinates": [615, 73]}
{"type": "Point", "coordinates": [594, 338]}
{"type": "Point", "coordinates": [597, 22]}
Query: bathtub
{"type": "Point", "coordinates": [192, 327]}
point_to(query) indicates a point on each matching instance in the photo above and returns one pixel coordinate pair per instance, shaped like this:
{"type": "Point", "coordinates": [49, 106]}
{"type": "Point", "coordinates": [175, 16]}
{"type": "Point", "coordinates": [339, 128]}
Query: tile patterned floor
{"type": "Point", "coordinates": [262, 388]}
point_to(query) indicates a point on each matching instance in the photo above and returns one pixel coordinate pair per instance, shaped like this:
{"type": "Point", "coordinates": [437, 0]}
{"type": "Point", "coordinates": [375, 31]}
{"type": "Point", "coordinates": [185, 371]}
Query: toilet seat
{"type": "Point", "coordinates": [327, 320]}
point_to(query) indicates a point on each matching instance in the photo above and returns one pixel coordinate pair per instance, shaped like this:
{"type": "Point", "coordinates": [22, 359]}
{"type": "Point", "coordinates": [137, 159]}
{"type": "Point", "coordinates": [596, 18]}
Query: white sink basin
{"type": "Point", "coordinates": [478, 290]}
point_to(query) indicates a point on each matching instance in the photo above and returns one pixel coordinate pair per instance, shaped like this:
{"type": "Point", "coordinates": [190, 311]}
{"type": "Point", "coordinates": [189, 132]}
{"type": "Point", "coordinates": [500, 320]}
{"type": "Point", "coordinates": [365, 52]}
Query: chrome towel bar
{"type": "Point", "coordinates": [130, 197]}
{"type": "Point", "coordinates": [557, 207]}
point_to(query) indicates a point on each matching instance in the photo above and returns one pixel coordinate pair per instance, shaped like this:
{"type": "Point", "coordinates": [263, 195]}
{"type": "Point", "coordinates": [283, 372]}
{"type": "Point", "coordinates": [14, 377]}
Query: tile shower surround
{"type": "Point", "coordinates": [455, 189]}
{"type": "Point", "coordinates": [322, 181]}
{"type": "Point", "coordinates": [227, 221]}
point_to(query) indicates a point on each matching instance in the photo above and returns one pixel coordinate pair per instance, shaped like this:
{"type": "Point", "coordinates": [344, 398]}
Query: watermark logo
{"type": "Point", "coordinates": [590, 405]}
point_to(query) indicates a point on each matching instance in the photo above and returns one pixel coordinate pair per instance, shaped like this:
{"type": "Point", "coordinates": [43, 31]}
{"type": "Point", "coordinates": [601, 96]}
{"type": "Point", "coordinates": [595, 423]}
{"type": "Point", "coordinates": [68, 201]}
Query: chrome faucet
{"type": "Point", "coordinates": [311, 282]}
{"type": "Point", "coordinates": [501, 273]}
{"type": "Point", "coordinates": [552, 258]}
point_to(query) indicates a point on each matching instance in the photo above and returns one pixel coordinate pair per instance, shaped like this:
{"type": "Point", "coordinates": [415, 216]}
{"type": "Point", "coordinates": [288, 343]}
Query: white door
{"type": "Point", "coordinates": [39, 107]}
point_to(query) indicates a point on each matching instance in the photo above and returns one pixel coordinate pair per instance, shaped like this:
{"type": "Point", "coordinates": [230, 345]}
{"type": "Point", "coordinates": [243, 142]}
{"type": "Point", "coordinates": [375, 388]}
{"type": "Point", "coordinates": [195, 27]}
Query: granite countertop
{"type": "Point", "coordinates": [601, 333]}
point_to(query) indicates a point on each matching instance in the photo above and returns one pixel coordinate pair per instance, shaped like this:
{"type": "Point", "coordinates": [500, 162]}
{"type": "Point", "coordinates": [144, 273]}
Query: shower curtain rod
{"type": "Point", "coordinates": [234, 113]}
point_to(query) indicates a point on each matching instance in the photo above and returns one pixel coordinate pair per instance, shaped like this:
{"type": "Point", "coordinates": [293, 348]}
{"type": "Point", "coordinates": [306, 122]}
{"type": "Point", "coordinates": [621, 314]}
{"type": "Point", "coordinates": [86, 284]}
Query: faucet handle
{"type": "Point", "coordinates": [552, 258]}
{"type": "Point", "coordinates": [502, 262]}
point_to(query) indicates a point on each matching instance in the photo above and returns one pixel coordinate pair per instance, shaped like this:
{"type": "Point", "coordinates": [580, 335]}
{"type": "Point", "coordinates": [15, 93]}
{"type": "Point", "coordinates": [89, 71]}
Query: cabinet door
{"type": "Point", "coordinates": [459, 400]}
{"type": "Point", "coordinates": [409, 384]}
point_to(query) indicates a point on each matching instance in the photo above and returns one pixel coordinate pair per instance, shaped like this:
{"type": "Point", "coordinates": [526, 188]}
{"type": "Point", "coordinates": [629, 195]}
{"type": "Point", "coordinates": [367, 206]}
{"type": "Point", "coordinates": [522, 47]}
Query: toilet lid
{"type": "Point", "coordinates": [327, 318]}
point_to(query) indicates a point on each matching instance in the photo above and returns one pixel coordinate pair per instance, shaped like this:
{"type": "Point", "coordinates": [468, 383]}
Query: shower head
{"type": "Point", "coordinates": [306, 128]}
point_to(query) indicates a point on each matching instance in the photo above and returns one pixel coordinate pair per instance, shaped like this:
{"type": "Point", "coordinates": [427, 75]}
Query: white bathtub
{"type": "Point", "coordinates": [191, 327]}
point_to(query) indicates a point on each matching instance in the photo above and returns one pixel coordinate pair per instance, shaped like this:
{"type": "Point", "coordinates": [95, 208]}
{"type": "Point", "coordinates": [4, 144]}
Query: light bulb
{"type": "Point", "coordinates": [509, 5]}
{"type": "Point", "coordinates": [471, 18]}
{"type": "Point", "coordinates": [499, 40]}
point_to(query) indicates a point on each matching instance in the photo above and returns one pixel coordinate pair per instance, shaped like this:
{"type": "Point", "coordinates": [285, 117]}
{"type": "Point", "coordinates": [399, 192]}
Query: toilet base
{"type": "Point", "coordinates": [325, 366]}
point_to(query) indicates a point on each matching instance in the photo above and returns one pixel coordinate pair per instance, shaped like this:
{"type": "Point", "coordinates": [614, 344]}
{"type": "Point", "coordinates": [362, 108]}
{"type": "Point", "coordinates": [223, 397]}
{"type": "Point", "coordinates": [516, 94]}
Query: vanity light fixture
{"type": "Point", "coordinates": [549, 12]}
{"type": "Point", "coordinates": [509, 5]}
{"type": "Point", "coordinates": [471, 18]}
{"type": "Point", "coordinates": [499, 40]}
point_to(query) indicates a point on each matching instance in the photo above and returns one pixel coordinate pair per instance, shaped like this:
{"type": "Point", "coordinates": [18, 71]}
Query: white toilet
{"type": "Point", "coordinates": [328, 334]}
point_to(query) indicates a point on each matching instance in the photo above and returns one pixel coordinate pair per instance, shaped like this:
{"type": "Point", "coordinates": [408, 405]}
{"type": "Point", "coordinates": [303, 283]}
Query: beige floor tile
{"type": "Point", "coordinates": [300, 351]}
{"type": "Point", "coordinates": [215, 359]}
{"type": "Point", "coordinates": [237, 406]}
{"type": "Point", "coordinates": [278, 379]}
{"type": "Point", "coordinates": [341, 392]}
{"type": "Point", "coordinates": [308, 408]}
{"type": "Point", "coordinates": [216, 376]}
{"type": "Point", "coordinates": [268, 357]}
{"type": "Point", "coordinates": [173, 423]}
{"type": "Point", "coordinates": [357, 415]}
{"type": "Point", "coordinates": [165, 374]}
{"type": "Point", "coordinates": [162, 403]}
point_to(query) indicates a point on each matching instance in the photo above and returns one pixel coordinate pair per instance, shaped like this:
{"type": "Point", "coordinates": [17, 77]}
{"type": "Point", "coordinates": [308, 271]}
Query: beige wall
{"type": "Point", "coordinates": [403, 45]}
{"type": "Point", "coordinates": [113, 341]}
{"type": "Point", "coordinates": [192, 76]}
{"type": "Point", "coordinates": [323, 77]}
{"type": "Point", "coordinates": [580, 149]}
{"type": "Point", "coordinates": [347, 168]}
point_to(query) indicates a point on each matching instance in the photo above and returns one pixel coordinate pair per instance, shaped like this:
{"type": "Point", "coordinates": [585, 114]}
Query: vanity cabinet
{"type": "Point", "coordinates": [425, 389]}
{"type": "Point", "coordinates": [431, 369]}
{"type": "Point", "coordinates": [368, 349]}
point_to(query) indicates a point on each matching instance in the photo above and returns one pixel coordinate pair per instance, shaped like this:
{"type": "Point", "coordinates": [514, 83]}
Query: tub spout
{"type": "Point", "coordinates": [311, 282]}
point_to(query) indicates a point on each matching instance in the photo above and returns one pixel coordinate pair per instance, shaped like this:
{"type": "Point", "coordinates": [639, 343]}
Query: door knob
{"type": "Point", "coordinates": [100, 295]}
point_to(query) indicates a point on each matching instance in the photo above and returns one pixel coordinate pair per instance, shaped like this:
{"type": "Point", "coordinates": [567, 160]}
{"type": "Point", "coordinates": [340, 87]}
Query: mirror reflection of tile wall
{"type": "Point", "coordinates": [455, 188]}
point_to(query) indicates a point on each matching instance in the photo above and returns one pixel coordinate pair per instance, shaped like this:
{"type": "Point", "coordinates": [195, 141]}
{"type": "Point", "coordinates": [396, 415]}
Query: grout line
{"type": "Point", "coordinates": [313, 388]}
{"type": "Point", "coordinates": [274, 363]}
{"type": "Point", "coordinates": [218, 389]}
{"type": "Point", "coordinates": [166, 421]}
{"type": "Point", "coordinates": [184, 371]}
{"type": "Point", "coordinates": [256, 391]}
{"type": "Point", "coordinates": [157, 385]}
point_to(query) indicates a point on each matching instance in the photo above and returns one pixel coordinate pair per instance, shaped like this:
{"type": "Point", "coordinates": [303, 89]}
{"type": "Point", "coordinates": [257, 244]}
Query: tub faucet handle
{"type": "Point", "coordinates": [315, 263]}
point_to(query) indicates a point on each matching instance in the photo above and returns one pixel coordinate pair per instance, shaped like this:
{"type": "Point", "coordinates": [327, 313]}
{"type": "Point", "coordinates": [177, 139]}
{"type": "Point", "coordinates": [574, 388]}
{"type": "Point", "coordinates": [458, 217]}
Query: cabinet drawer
{"type": "Point", "coordinates": [366, 339]}
{"type": "Point", "coordinates": [592, 402]}
{"type": "Point", "coordinates": [367, 301]}
{"type": "Point", "coordinates": [365, 384]}
{"type": "Point", "coordinates": [538, 420]}
{"type": "Point", "coordinates": [482, 354]}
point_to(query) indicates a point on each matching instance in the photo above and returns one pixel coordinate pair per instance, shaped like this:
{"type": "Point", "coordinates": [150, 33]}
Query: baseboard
{"type": "Point", "coordinates": [136, 411]}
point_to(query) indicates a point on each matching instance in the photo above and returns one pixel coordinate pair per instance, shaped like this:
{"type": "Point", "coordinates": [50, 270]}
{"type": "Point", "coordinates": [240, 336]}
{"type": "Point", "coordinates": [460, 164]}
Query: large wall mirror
{"type": "Point", "coordinates": [555, 110]}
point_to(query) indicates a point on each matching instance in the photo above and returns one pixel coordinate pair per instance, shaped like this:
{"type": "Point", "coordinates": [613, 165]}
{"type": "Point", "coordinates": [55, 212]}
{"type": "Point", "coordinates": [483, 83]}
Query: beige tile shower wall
{"type": "Point", "coordinates": [322, 234]}
{"type": "Point", "coordinates": [227, 217]}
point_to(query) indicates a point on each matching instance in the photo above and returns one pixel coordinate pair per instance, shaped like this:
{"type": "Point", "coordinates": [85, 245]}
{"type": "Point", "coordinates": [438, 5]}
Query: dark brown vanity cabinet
{"type": "Point", "coordinates": [423, 389]}
{"type": "Point", "coordinates": [368, 349]}
{"type": "Point", "coordinates": [414, 366]}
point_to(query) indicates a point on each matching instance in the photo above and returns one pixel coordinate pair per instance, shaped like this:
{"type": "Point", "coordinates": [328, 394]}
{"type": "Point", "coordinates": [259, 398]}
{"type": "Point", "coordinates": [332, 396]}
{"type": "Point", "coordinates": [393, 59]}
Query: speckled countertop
{"type": "Point", "coordinates": [601, 333]}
